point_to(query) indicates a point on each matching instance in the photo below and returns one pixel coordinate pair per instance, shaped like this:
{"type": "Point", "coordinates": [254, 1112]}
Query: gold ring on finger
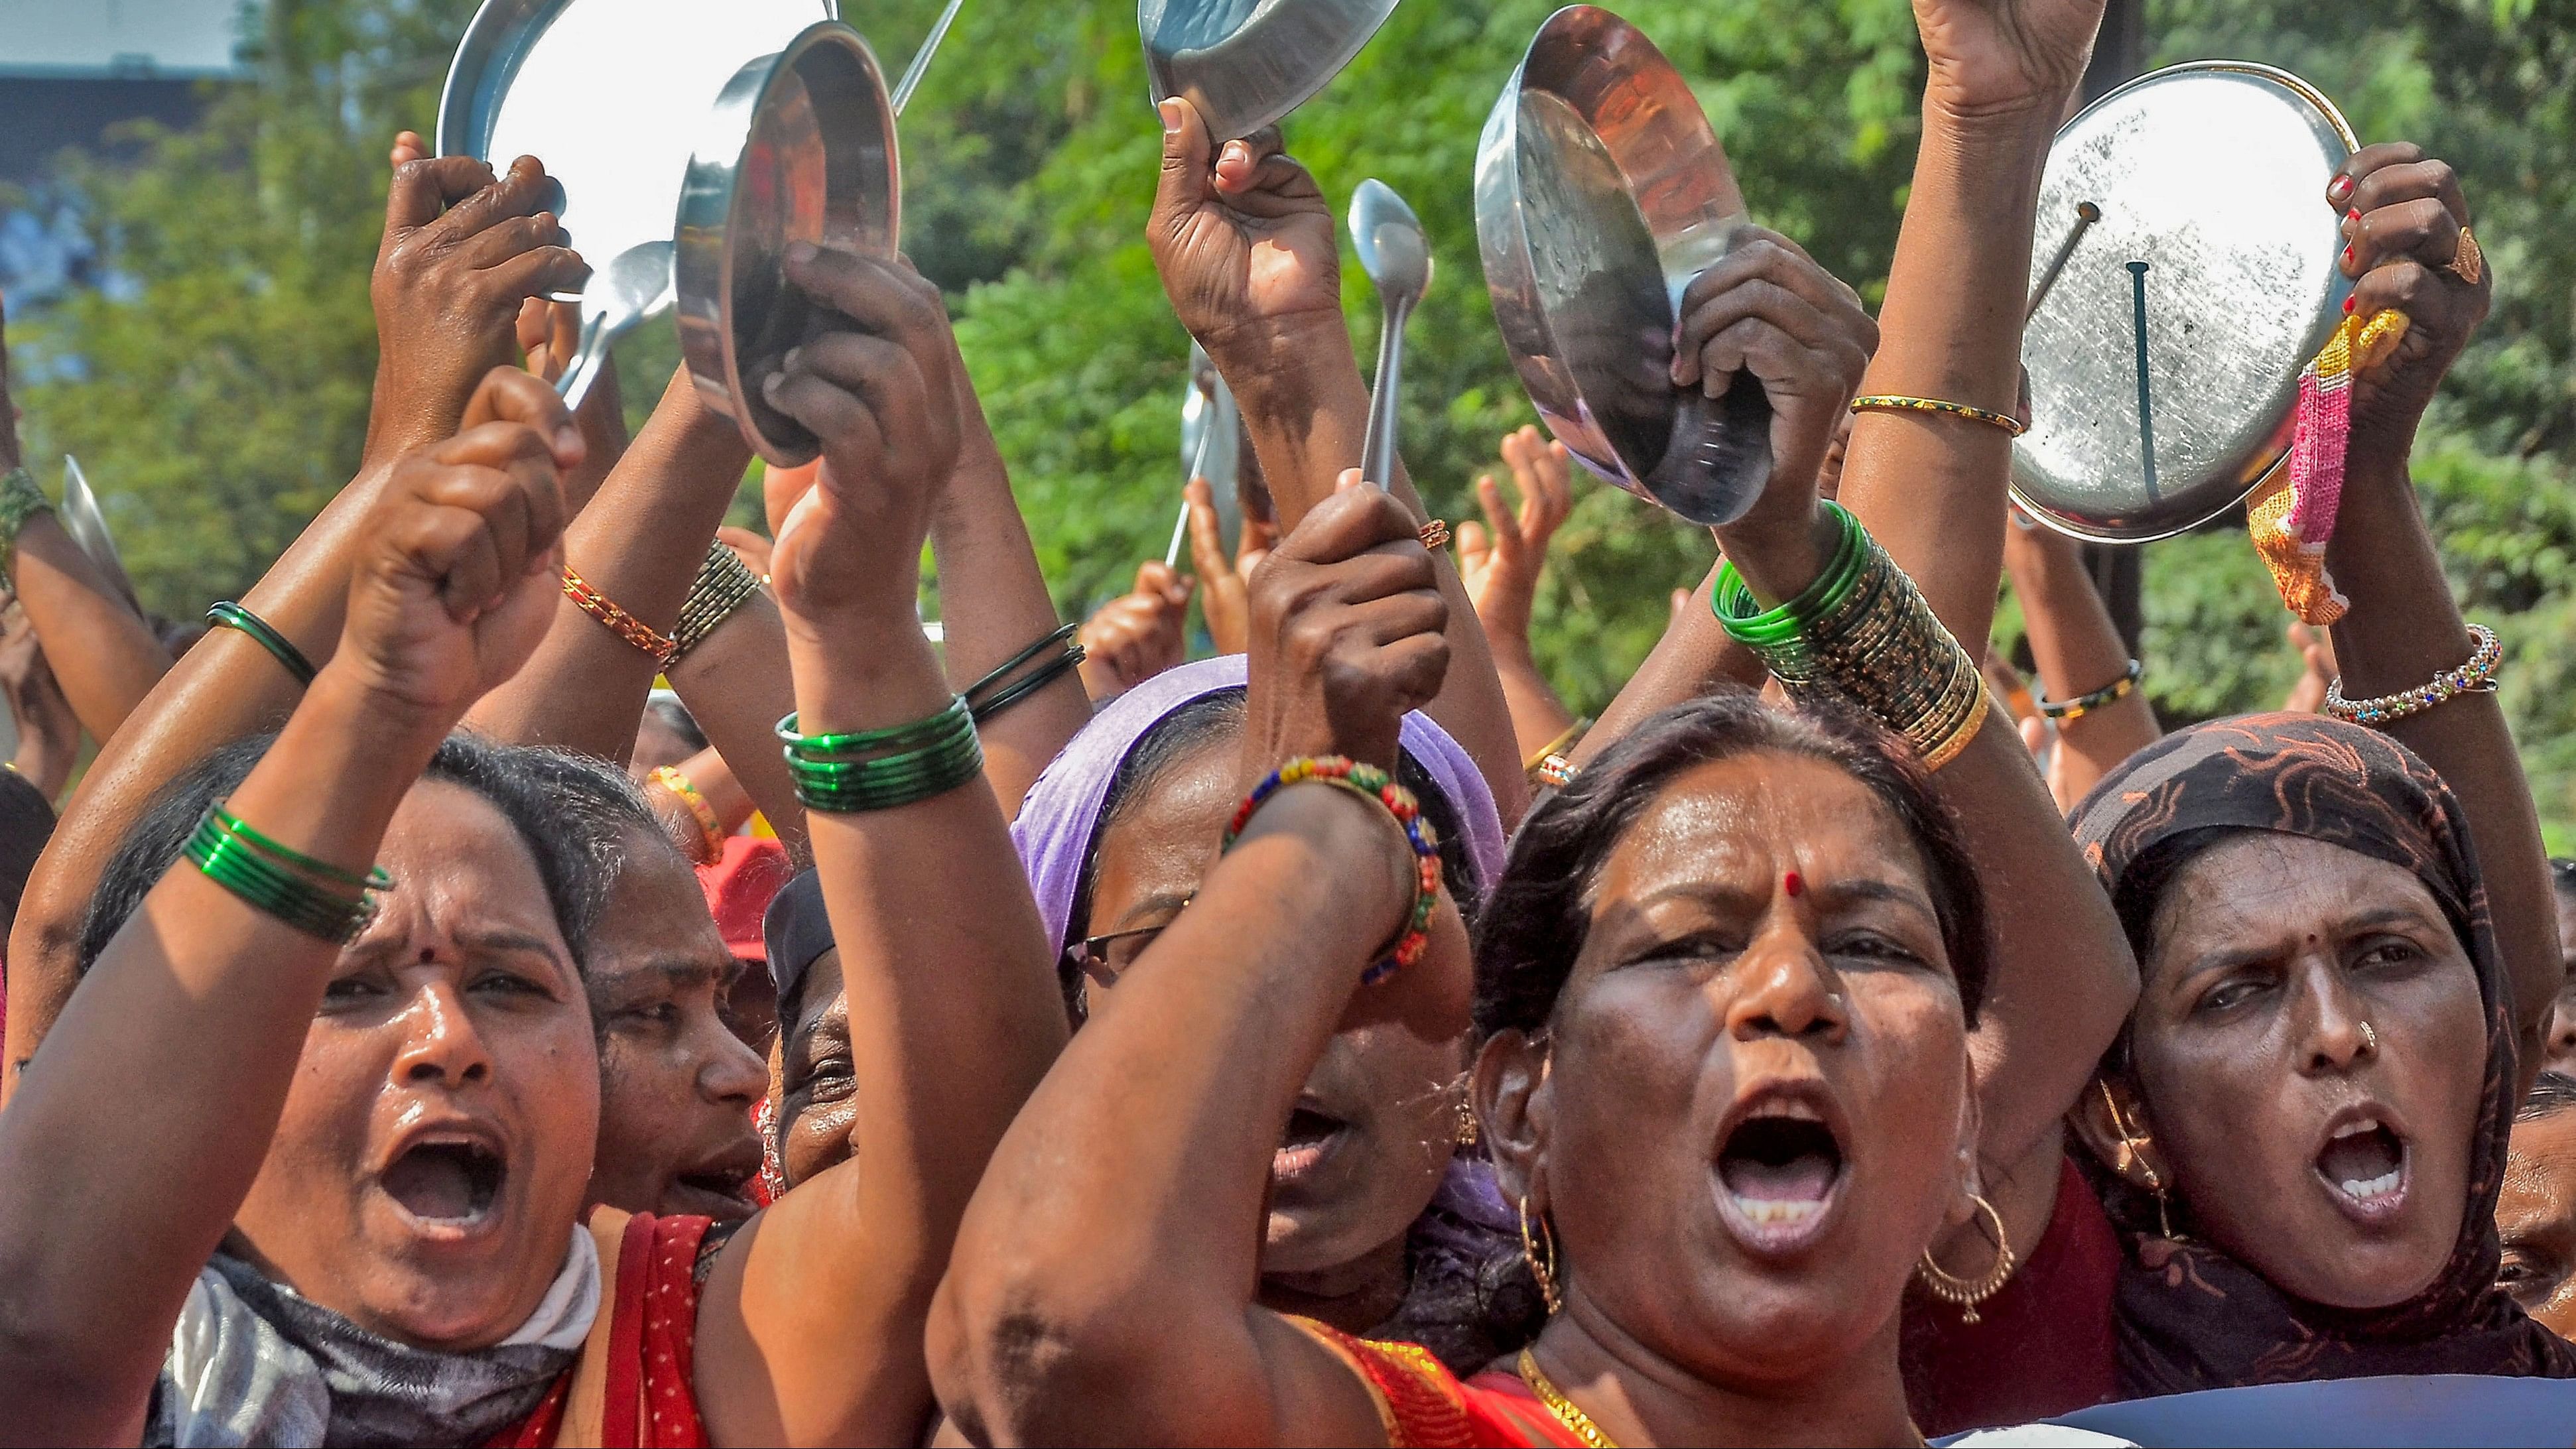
{"type": "Point", "coordinates": [2469, 264]}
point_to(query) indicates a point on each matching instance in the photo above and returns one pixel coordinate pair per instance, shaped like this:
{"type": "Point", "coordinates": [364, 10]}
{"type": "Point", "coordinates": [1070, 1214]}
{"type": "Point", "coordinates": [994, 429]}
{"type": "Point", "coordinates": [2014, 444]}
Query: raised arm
{"type": "Point", "coordinates": [461, 251]}
{"type": "Point", "coordinates": [106, 657]}
{"type": "Point", "coordinates": [1103, 1285]}
{"type": "Point", "coordinates": [2082, 662]}
{"type": "Point", "coordinates": [1500, 561]}
{"type": "Point", "coordinates": [994, 605]}
{"type": "Point", "coordinates": [810, 1330]}
{"type": "Point", "coordinates": [1249, 255]}
{"type": "Point", "coordinates": [2407, 224]}
{"type": "Point", "coordinates": [1932, 489]}
{"type": "Point", "coordinates": [106, 1218]}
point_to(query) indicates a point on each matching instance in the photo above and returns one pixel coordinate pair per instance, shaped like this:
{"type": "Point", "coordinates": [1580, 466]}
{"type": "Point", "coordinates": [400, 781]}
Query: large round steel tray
{"type": "Point", "coordinates": [2164, 359]}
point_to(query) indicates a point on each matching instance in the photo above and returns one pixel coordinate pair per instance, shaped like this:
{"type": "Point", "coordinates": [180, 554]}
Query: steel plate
{"type": "Point", "coordinates": [2164, 359]}
{"type": "Point", "coordinates": [799, 147]}
{"type": "Point", "coordinates": [610, 94]}
{"type": "Point", "coordinates": [1601, 194]}
{"type": "Point", "coordinates": [1246, 64]}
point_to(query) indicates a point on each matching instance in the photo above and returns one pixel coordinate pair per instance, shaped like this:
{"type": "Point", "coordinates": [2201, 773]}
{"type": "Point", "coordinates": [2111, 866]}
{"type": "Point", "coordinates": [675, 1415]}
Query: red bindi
{"type": "Point", "coordinates": [1793, 884]}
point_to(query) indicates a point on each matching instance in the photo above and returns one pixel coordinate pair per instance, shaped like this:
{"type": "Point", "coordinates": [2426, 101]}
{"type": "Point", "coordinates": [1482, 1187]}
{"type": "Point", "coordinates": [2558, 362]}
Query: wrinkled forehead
{"type": "Point", "coordinates": [1761, 813]}
{"type": "Point", "coordinates": [459, 866]}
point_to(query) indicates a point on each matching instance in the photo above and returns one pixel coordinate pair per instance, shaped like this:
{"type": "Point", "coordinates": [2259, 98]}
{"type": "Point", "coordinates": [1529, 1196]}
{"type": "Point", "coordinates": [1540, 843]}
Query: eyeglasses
{"type": "Point", "coordinates": [1105, 958]}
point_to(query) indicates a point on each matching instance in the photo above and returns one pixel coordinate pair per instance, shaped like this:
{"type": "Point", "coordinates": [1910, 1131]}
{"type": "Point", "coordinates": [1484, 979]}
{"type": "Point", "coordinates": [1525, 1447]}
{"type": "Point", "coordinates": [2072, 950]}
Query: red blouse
{"type": "Point", "coordinates": [648, 1334]}
{"type": "Point", "coordinates": [1422, 1404]}
{"type": "Point", "coordinates": [2040, 1348]}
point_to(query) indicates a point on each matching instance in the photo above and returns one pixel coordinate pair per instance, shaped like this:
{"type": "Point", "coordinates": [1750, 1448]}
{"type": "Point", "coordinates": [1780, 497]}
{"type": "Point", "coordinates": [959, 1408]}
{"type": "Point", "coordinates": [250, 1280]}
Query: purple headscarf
{"type": "Point", "coordinates": [1063, 809]}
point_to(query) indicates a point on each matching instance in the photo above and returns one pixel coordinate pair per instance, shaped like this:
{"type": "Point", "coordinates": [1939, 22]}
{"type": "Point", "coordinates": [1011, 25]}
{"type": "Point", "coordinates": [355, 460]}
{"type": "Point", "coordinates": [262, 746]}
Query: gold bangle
{"type": "Point", "coordinates": [724, 584]}
{"type": "Point", "coordinates": [1558, 746]}
{"type": "Point", "coordinates": [621, 623]}
{"type": "Point", "coordinates": [1896, 404]}
{"type": "Point", "coordinates": [710, 830]}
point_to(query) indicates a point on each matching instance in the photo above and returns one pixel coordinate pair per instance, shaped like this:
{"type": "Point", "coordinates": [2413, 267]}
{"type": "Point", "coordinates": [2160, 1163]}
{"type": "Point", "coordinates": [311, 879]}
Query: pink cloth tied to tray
{"type": "Point", "coordinates": [2292, 515]}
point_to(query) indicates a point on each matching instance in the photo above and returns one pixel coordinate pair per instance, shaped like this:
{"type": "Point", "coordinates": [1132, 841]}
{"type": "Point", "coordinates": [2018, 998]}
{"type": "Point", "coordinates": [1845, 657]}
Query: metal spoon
{"type": "Point", "coordinates": [635, 285]}
{"type": "Point", "coordinates": [1397, 258]}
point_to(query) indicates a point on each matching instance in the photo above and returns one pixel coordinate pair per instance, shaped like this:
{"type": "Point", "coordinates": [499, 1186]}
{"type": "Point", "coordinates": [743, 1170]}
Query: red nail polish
{"type": "Point", "coordinates": [2354, 214]}
{"type": "Point", "coordinates": [2347, 303]}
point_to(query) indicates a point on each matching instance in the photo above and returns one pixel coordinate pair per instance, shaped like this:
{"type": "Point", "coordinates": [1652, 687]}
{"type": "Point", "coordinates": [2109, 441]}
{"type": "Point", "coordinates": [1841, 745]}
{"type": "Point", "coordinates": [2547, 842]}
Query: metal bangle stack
{"type": "Point", "coordinates": [724, 584]}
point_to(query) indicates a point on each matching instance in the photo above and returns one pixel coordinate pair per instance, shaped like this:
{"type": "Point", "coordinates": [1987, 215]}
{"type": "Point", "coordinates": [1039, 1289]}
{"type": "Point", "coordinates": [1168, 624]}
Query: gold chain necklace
{"type": "Point", "coordinates": [1561, 1406]}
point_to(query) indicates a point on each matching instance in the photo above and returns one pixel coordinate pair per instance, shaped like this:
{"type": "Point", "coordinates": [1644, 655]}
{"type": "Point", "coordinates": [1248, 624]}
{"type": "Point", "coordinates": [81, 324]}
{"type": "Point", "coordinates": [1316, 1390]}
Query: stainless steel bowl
{"type": "Point", "coordinates": [2164, 359]}
{"type": "Point", "coordinates": [1245, 64]}
{"type": "Point", "coordinates": [1601, 193]}
{"type": "Point", "coordinates": [610, 94]}
{"type": "Point", "coordinates": [799, 148]}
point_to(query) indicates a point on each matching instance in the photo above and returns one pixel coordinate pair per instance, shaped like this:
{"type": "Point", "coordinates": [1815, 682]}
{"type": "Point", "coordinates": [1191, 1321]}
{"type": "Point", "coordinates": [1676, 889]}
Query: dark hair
{"type": "Point", "coordinates": [1535, 922]}
{"type": "Point", "coordinates": [26, 823]}
{"type": "Point", "coordinates": [1216, 718]}
{"type": "Point", "coordinates": [2552, 1094]}
{"type": "Point", "coordinates": [512, 780]}
{"type": "Point", "coordinates": [675, 717]}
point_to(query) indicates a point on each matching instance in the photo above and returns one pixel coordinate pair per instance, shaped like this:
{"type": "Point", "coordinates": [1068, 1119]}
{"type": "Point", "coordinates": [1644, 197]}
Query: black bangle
{"type": "Point", "coordinates": [229, 615]}
{"type": "Point", "coordinates": [2103, 698]}
{"type": "Point", "coordinates": [1057, 668]}
{"type": "Point", "coordinates": [1020, 661]}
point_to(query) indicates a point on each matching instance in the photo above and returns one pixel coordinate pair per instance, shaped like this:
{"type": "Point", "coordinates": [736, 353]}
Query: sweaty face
{"type": "Point", "coordinates": [2536, 1216]}
{"type": "Point", "coordinates": [428, 1168]}
{"type": "Point", "coordinates": [2337, 1169]}
{"type": "Point", "coordinates": [1377, 1123]}
{"type": "Point", "coordinates": [816, 1088]}
{"type": "Point", "coordinates": [2562, 1017]}
{"type": "Point", "coordinates": [677, 1087]}
{"type": "Point", "coordinates": [1751, 1113]}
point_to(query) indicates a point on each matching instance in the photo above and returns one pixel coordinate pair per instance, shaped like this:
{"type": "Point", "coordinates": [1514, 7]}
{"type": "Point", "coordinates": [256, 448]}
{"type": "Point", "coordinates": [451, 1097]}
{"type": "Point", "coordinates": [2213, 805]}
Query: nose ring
{"type": "Point", "coordinates": [2370, 1038]}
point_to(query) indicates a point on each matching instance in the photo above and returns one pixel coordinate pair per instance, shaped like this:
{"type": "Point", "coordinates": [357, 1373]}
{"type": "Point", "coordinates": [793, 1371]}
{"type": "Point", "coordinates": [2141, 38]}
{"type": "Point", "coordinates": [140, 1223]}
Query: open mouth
{"type": "Point", "coordinates": [722, 1193]}
{"type": "Point", "coordinates": [1776, 1172]}
{"type": "Point", "coordinates": [2363, 1164]}
{"type": "Point", "coordinates": [1310, 1137]}
{"type": "Point", "coordinates": [447, 1183]}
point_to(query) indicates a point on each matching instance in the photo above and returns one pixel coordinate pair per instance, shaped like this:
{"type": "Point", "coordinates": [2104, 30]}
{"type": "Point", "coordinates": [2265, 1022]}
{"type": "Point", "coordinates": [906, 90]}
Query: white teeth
{"type": "Point", "coordinates": [2366, 1124]}
{"type": "Point", "coordinates": [2380, 1186]}
{"type": "Point", "coordinates": [1769, 1213]}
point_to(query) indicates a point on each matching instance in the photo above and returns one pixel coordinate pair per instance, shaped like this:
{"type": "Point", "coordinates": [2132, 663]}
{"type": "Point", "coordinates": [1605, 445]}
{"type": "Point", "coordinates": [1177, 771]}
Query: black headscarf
{"type": "Point", "coordinates": [2190, 1316]}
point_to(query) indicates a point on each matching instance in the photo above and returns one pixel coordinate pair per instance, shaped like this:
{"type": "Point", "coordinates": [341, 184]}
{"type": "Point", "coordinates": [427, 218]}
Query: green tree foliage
{"type": "Point", "coordinates": [219, 394]}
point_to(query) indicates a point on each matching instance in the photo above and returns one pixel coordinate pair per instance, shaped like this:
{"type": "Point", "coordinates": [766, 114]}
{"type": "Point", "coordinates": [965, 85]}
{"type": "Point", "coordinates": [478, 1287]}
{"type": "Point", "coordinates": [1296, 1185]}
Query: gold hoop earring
{"type": "Point", "coordinates": [1543, 1270]}
{"type": "Point", "coordinates": [2136, 1149]}
{"type": "Point", "coordinates": [1950, 1288]}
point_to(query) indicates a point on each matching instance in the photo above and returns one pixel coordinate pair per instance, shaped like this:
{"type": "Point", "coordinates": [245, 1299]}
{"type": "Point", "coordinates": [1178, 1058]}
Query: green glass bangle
{"type": "Point", "coordinates": [844, 746]}
{"type": "Point", "coordinates": [374, 880]}
{"type": "Point", "coordinates": [229, 615]}
{"type": "Point", "coordinates": [892, 770]}
{"type": "Point", "coordinates": [236, 858]}
{"type": "Point", "coordinates": [1748, 623]}
{"type": "Point", "coordinates": [993, 681]}
{"type": "Point", "coordinates": [929, 782]}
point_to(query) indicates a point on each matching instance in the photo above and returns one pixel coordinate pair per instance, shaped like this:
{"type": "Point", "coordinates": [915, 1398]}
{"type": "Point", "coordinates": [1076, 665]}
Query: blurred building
{"type": "Point", "coordinates": [71, 71]}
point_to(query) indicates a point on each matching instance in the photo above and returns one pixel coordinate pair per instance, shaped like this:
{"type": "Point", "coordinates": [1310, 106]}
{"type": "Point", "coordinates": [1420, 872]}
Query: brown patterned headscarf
{"type": "Point", "coordinates": [2191, 1317]}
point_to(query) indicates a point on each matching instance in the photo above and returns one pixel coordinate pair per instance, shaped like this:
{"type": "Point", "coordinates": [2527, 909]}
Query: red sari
{"type": "Point", "coordinates": [1421, 1403]}
{"type": "Point", "coordinates": [632, 1387]}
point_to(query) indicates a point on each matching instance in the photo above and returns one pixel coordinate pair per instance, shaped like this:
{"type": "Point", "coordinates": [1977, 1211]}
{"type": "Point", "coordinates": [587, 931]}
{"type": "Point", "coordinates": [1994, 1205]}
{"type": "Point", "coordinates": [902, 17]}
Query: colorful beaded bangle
{"type": "Point", "coordinates": [724, 584]}
{"type": "Point", "coordinates": [2478, 676]}
{"type": "Point", "coordinates": [2103, 698]}
{"type": "Point", "coordinates": [710, 829]}
{"type": "Point", "coordinates": [621, 623]}
{"type": "Point", "coordinates": [1553, 773]}
{"type": "Point", "coordinates": [884, 769]}
{"type": "Point", "coordinates": [229, 615]}
{"type": "Point", "coordinates": [1895, 404]}
{"type": "Point", "coordinates": [20, 500]}
{"type": "Point", "coordinates": [312, 896]}
{"type": "Point", "coordinates": [1369, 783]}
